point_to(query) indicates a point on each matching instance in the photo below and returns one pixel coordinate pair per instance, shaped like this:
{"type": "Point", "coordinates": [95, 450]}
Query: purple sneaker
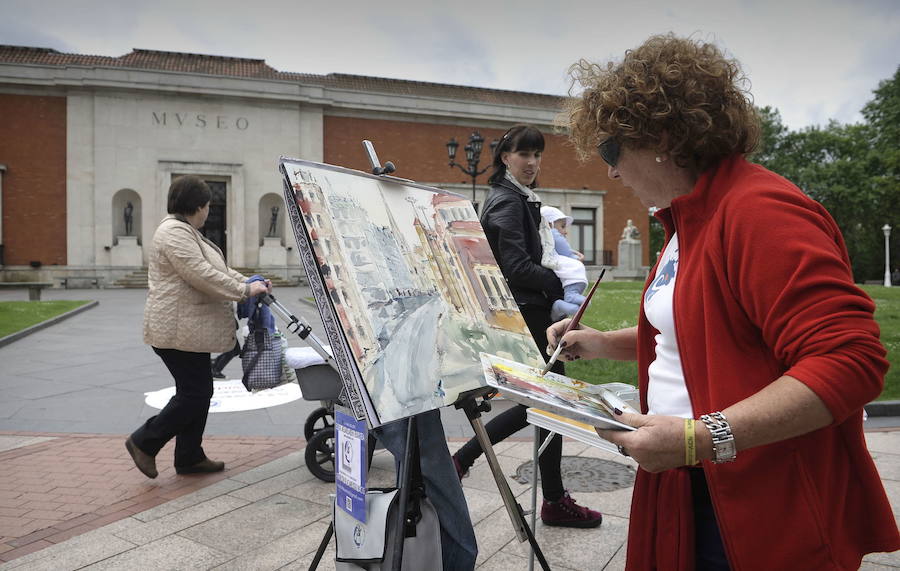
{"type": "Point", "coordinates": [566, 513]}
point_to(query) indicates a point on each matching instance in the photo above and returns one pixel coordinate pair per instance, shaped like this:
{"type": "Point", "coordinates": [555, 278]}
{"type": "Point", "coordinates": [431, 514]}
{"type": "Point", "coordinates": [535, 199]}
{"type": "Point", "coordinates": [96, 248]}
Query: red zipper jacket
{"type": "Point", "coordinates": [764, 289]}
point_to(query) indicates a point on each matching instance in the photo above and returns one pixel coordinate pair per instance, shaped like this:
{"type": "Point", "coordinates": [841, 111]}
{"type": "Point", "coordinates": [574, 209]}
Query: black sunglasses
{"type": "Point", "coordinates": [609, 151]}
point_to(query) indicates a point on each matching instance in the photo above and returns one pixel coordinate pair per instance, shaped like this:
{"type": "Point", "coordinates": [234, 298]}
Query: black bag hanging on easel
{"type": "Point", "coordinates": [372, 546]}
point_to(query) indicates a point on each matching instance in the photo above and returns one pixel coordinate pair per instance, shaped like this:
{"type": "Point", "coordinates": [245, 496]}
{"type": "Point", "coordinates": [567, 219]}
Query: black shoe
{"type": "Point", "coordinates": [144, 462]}
{"type": "Point", "coordinates": [205, 466]}
{"type": "Point", "coordinates": [218, 375]}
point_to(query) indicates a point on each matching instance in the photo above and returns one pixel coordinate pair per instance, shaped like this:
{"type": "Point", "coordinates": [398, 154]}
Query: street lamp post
{"type": "Point", "coordinates": [887, 255]}
{"type": "Point", "coordinates": [473, 156]}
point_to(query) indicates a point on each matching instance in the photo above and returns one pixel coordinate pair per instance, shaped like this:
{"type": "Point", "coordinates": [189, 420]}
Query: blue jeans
{"type": "Point", "coordinates": [458, 546]}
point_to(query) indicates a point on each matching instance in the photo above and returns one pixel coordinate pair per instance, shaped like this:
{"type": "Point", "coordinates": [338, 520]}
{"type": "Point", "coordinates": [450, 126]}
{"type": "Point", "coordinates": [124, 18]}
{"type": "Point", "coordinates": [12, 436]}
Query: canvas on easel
{"type": "Point", "coordinates": [407, 286]}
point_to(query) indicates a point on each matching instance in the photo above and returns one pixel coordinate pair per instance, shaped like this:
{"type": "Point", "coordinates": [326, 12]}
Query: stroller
{"type": "Point", "coordinates": [319, 381]}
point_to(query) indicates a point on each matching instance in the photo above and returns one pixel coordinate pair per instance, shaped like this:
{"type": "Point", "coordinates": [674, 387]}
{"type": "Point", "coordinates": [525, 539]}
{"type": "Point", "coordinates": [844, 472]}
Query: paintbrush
{"type": "Point", "coordinates": [574, 323]}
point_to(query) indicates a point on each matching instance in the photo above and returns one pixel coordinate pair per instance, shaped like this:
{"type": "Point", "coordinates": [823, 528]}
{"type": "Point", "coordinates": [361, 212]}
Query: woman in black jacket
{"type": "Point", "coordinates": [511, 218]}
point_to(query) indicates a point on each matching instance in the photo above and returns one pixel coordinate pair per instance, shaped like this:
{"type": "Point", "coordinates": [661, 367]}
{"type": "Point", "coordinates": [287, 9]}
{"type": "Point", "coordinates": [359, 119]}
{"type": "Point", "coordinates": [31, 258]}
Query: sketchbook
{"type": "Point", "coordinates": [579, 431]}
{"type": "Point", "coordinates": [557, 393]}
{"type": "Point", "coordinates": [406, 285]}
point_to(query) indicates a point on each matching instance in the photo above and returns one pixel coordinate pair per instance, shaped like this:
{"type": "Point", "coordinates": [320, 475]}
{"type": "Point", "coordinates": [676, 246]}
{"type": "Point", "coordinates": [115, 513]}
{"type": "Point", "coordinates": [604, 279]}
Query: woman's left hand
{"type": "Point", "coordinates": [657, 444]}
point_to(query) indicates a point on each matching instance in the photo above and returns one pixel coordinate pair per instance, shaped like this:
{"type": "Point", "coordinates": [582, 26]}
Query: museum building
{"type": "Point", "coordinates": [90, 144]}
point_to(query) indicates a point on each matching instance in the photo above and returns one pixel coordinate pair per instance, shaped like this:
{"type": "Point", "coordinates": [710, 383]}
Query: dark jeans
{"type": "Point", "coordinates": [219, 363]}
{"type": "Point", "coordinates": [710, 551]}
{"type": "Point", "coordinates": [184, 417]}
{"type": "Point", "coordinates": [513, 420]}
{"type": "Point", "coordinates": [459, 548]}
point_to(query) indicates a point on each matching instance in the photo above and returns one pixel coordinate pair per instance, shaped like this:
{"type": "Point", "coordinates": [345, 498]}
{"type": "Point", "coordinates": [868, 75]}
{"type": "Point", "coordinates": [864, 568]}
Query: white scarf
{"type": "Point", "coordinates": [529, 194]}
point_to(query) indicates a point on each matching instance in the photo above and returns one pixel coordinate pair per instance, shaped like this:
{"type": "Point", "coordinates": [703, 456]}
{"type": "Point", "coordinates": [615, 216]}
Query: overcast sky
{"type": "Point", "coordinates": [813, 60]}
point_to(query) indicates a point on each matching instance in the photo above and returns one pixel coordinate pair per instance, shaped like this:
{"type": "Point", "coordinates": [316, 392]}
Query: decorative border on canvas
{"type": "Point", "coordinates": [333, 331]}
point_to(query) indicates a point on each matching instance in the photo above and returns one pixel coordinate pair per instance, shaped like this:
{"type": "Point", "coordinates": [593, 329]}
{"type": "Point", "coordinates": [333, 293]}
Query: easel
{"type": "Point", "coordinates": [410, 481]}
{"type": "Point", "coordinates": [473, 410]}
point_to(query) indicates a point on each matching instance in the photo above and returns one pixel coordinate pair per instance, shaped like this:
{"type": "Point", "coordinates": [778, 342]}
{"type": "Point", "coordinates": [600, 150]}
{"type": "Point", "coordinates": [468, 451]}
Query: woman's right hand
{"type": "Point", "coordinates": [580, 343]}
{"type": "Point", "coordinates": [586, 343]}
{"type": "Point", "coordinates": [258, 287]}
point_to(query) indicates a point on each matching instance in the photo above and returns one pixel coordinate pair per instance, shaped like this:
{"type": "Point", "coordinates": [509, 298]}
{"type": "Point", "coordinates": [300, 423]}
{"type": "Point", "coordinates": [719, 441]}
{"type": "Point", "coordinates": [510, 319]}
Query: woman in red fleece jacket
{"type": "Point", "coordinates": [750, 323]}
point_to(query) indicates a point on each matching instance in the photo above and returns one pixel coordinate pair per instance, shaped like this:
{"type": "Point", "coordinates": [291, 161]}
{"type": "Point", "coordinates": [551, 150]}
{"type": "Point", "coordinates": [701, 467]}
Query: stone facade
{"type": "Point", "coordinates": [82, 136]}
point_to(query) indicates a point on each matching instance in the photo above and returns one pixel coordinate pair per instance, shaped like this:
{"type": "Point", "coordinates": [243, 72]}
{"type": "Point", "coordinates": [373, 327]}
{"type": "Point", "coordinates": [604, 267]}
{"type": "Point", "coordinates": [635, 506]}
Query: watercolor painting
{"type": "Point", "coordinates": [568, 397]}
{"type": "Point", "coordinates": [406, 284]}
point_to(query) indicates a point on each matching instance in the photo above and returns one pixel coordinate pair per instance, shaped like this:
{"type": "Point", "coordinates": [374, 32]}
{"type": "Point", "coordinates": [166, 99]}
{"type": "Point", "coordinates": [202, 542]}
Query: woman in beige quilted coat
{"type": "Point", "coordinates": [188, 315]}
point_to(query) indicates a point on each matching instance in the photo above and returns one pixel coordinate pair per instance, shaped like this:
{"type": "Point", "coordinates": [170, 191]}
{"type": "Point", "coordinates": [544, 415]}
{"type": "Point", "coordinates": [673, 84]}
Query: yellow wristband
{"type": "Point", "coordinates": [690, 442]}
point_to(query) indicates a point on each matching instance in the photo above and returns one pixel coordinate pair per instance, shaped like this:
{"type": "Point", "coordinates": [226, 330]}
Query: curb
{"type": "Point", "coordinates": [52, 321]}
{"type": "Point", "coordinates": [883, 408]}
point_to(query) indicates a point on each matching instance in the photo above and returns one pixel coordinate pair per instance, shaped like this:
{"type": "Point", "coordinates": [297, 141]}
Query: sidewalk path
{"type": "Point", "coordinates": [272, 516]}
{"type": "Point", "coordinates": [70, 497]}
{"type": "Point", "coordinates": [56, 486]}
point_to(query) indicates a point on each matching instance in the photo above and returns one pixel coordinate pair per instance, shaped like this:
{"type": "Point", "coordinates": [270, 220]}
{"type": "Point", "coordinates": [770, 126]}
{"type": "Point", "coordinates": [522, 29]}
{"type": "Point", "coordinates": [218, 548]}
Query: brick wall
{"type": "Point", "coordinates": [33, 148]}
{"type": "Point", "coordinates": [419, 152]}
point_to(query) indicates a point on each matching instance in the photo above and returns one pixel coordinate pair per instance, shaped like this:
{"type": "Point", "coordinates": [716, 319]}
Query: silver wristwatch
{"type": "Point", "coordinates": [722, 438]}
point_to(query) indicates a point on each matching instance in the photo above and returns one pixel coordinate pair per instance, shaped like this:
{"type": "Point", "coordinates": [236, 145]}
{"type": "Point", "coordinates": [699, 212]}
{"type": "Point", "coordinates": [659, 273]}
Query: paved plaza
{"type": "Point", "coordinates": [70, 497]}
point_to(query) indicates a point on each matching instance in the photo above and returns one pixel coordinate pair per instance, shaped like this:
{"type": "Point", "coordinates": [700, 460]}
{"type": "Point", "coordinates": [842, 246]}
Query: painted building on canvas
{"type": "Point", "coordinates": [82, 137]}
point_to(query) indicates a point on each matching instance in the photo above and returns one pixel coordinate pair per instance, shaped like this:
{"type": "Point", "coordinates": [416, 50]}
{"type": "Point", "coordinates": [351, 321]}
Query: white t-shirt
{"type": "Point", "coordinates": [667, 393]}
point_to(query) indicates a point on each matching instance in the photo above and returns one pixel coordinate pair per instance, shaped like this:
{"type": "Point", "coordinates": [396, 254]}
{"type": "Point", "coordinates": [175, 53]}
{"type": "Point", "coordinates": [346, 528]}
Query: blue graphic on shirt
{"type": "Point", "coordinates": [664, 276]}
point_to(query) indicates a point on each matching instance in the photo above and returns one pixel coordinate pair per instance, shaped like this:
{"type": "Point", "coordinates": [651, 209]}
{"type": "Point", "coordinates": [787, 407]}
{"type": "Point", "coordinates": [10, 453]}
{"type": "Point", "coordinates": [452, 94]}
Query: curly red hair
{"type": "Point", "coordinates": [675, 95]}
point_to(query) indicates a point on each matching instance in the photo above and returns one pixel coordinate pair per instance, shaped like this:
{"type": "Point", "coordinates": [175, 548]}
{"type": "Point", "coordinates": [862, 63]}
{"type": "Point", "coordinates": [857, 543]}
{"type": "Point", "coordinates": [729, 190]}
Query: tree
{"type": "Point", "coordinates": [852, 170]}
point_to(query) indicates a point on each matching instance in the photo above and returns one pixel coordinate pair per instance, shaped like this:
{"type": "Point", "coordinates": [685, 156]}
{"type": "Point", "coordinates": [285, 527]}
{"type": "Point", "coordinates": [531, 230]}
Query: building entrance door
{"type": "Point", "coordinates": [215, 227]}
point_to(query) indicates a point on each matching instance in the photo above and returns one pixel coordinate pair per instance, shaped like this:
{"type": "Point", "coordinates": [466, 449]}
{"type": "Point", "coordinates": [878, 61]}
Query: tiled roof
{"type": "Point", "coordinates": [258, 68]}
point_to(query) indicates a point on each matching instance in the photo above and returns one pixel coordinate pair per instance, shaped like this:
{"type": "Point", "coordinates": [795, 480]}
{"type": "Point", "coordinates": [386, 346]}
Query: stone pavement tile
{"type": "Point", "coordinates": [169, 553]}
{"type": "Point", "coordinates": [483, 503]}
{"type": "Point", "coordinates": [886, 440]}
{"type": "Point", "coordinates": [327, 561]}
{"type": "Point", "coordinates": [869, 566]}
{"type": "Point", "coordinates": [892, 488]}
{"type": "Point", "coordinates": [314, 491]}
{"type": "Point", "coordinates": [183, 502]}
{"type": "Point", "coordinates": [888, 465]}
{"type": "Point", "coordinates": [256, 524]}
{"type": "Point", "coordinates": [271, 486]}
{"type": "Point", "coordinates": [503, 561]}
{"type": "Point", "coordinates": [577, 548]}
{"type": "Point", "coordinates": [70, 484]}
{"type": "Point", "coordinates": [493, 534]}
{"type": "Point", "coordinates": [270, 469]}
{"type": "Point", "coordinates": [73, 554]}
{"type": "Point", "coordinates": [285, 552]}
{"type": "Point", "coordinates": [188, 517]}
{"type": "Point", "coordinates": [480, 476]}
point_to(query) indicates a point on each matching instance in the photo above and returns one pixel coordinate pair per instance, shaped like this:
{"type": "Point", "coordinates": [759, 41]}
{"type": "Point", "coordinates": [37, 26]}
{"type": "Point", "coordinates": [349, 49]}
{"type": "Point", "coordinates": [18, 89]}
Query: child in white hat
{"type": "Point", "coordinates": [565, 262]}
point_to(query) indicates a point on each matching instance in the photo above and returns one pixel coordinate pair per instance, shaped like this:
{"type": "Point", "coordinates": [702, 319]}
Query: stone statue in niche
{"type": "Point", "coordinates": [630, 232]}
{"type": "Point", "coordinates": [129, 218]}
{"type": "Point", "coordinates": [273, 223]}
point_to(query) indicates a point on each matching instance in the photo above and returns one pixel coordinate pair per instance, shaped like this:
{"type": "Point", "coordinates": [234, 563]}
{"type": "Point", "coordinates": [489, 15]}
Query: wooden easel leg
{"type": "Point", "coordinates": [516, 514]}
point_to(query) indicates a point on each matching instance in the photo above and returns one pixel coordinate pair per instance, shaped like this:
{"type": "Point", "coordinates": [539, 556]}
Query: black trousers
{"type": "Point", "coordinates": [708, 541]}
{"type": "Point", "coordinates": [513, 420]}
{"type": "Point", "coordinates": [184, 417]}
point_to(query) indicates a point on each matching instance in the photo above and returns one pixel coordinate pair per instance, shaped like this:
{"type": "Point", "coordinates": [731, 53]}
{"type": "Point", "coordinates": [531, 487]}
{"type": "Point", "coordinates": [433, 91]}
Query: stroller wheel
{"type": "Point", "coordinates": [319, 419]}
{"type": "Point", "coordinates": [319, 454]}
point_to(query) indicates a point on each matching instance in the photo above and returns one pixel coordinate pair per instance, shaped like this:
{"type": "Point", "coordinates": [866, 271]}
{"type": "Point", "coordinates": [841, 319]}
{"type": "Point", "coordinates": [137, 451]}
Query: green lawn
{"type": "Point", "coordinates": [17, 315]}
{"type": "Point", "coordinates": [615, 305]}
